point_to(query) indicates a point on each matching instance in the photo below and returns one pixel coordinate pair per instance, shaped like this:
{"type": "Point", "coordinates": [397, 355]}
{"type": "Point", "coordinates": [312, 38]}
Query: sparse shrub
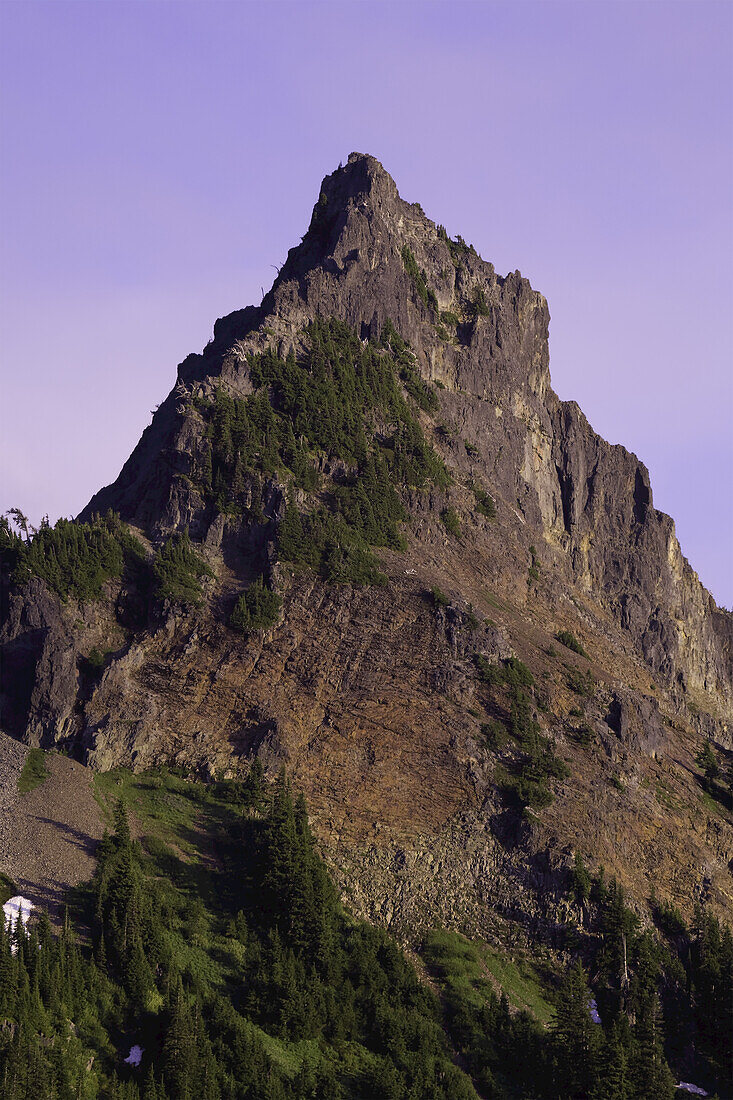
{"type": "Point", "coordinates": [512, 672]}
{"type": "Point", "coordinates": [451, 522]}
{"type": "Point", "coordinates": [426, 295]}
{"type": "Point", "coordinates": [96, 659]}
{"type": "Point", "coordinates": [439, 597]}
{"type": "Point", "coordinates": [534, 569]}
{"type": "Point", "coordinates": [566, 638]}
{"type": "Point", "coordinates": [350, 563]}
{"type": "Point", "coordinates": [531, 792]}
{"type": "Point", "coordinates": [581, 880]}
{"type": "Point", "coordinates": [331, 545]}
{"type": "Point", "coordinates": [478, 303]}
{"type": "Point", "coordinates": [580, 681]}
{"type": "Point", "coordinates": [585, 736]}
{"type": "Point", "coordinates": [484, 503]}
{"type": "Point", "coordinates": [517, 673]}
{"type": "Point", "coordinates": [34, 771]}
{"type": "Point", "coordinates": [707, 761]}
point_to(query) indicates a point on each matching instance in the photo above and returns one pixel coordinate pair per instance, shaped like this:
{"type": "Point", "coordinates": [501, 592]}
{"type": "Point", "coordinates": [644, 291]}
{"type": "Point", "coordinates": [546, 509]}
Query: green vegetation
{"type": "Point", "coordinates": [666, 796]}
{"type": "Point", "coordinates": [579, 680]}
{"type": "Point", "coordinates": [449, 318]}
{"type": "Point", "coordinates": [494, 601]}
{"type": "Point", "coordinates": [707, 761]}
{"type": "Point", "coordinates": [439, 597]}
{"type": "Point", "coordinates": [457, 247]}
{"type": "Point", "coordinates": [495, 734]}
{"type": "Point", "coordinates": [585, 735]}
{"type": "Point", "coordinates": [34, 771]}
{"type": "Point", "coordinates": [256, 609]}
{"type": "Point", "coordinates": [524, 983]}
{"type": "Point", "coordinates": [240, 977]}
{"type": "Point", "coordinates": [504, 1051]}
{"type": "Point", "coordinates": [569, 640]}
{"type": "Point", "coordinates": [342, 398]}
{"type": "Point", "coordinates": [334, 548]}
{"type": "Point", "coordinates": [217, 943]}
{"type": "Point", "coordinates": [534, 569]}
{"type": "Point", "coordinates": [8, 889]}
{"type": "Point", "coordinates": [534, 761]}
{"type": "Point", "coordinates": [97, 659]}
{"type": "Point", "coordinates": [419, 280]}
{"type": "Point", "coordinates": [74, 559]}
{"type": "Point", "coordinates": [404, 358]}
{"type": "Point", "coordinates": [451, 522]}
{"type": "Point", "coordinates": [177, 570]}
{"type": "Point", "coordinates": [581, 880]}
{"type": "Point", "coordinates": [479, 305]}
{"type": "Point", "coordinates": [659, 1001]}
{"type": "Point", "coordinates": [717, 778]}
{"type": "Point", "coordinates": [484, 503]}
{"type": "Point", "coordinates": [332, 400]}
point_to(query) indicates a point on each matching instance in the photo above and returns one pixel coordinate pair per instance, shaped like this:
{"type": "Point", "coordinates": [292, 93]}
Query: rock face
{"type": "Point", "coordinates": [370, 696]}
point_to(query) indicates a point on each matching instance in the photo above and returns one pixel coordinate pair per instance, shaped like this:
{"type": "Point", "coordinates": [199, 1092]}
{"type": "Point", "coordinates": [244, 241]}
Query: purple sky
{"type": "Point", "coordinates": [158, 159]}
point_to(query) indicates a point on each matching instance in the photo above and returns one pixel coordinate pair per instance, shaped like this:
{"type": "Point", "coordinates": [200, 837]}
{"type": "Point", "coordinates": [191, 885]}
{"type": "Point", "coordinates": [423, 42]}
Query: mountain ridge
{"type": "Point", "coordinates": [357, 244]}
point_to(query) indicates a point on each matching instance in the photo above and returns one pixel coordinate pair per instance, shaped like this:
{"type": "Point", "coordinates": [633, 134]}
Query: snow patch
{"type": "Point", "coordinates": [16, 910]}
{"type": "Point", "coordinates": [135, 1057]}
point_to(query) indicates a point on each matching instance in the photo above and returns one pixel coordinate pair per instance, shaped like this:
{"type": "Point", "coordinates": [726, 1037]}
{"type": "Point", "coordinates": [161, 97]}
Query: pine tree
{"type": "Point", "coordinates": [575, 1035]}
{"type": "Point", "coordinates": [649, 1070]}
{"type": "Point", "coordinates": [614, 1080]}
{"type": "Point", "coordinates": [178, 1047]}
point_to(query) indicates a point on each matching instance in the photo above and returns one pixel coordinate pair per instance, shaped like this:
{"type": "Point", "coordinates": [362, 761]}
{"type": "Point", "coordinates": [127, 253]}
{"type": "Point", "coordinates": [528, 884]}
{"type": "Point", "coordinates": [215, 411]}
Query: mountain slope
{"type": "Point", "coordinates": [387, 409]}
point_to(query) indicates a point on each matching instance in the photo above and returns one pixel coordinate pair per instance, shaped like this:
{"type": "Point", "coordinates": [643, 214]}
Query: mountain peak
{"type": "Point", "coordinates": [362, 174]}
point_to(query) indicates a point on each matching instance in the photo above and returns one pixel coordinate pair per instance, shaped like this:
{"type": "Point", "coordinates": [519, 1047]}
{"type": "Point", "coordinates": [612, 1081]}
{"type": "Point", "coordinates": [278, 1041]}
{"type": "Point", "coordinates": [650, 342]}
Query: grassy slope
{"type": "Point", "coordinates": [176, 820]}
{"type": "Point", "coordinates": [471, 971]}
{"type": "Point", "coordinates": [34, 771]}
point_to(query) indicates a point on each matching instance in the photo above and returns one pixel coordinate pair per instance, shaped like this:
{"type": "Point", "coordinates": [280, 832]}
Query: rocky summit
{"type": "Point", "coordinates": [363, 539]}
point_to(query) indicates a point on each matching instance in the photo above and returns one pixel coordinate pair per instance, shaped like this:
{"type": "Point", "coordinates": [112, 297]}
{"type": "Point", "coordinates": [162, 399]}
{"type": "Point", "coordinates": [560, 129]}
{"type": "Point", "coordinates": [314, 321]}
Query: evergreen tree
{"type": "Point", "coordinates": [576, 1037]}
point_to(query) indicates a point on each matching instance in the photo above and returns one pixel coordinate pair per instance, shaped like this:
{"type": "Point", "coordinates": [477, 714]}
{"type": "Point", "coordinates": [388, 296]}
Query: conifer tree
{"type": "Point", "coordinates": [575, 1035]}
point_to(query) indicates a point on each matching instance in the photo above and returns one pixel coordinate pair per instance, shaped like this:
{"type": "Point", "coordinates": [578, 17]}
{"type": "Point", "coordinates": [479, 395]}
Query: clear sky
{"type": "Point", "coordinates": [157, 161]}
